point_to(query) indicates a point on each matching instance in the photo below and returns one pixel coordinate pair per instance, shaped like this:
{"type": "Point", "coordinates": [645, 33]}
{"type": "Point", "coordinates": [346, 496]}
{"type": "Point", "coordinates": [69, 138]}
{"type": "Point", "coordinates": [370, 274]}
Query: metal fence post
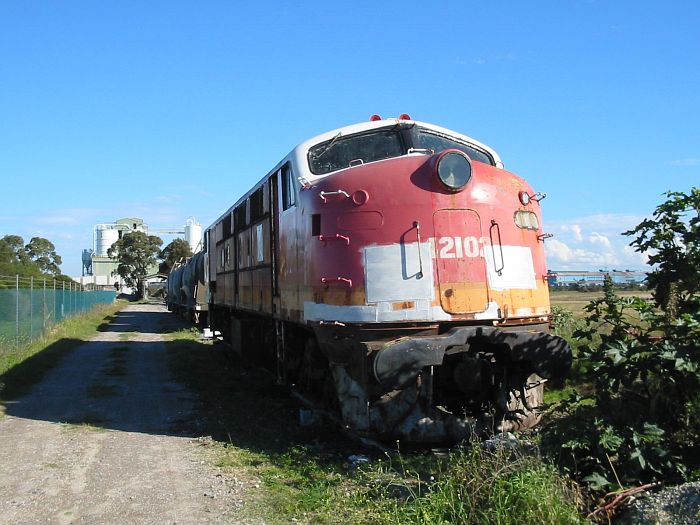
{"type": "Point", "coordinates": [31, 309]}
{"type": "Point", "coordinates": [17, 311]}
{"type": "Point", "coordinates": [43, 311]}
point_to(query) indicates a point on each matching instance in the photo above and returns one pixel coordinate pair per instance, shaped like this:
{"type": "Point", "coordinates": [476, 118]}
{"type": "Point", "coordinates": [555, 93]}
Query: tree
{"type": "Point", "coordinates": [172, 253]}
{"type": "Point", "coordinates": [12, 250]}
{"type": "Point", "coordinates": [672, 239]}
{"type": "Point", "coordinates": [38, 258]}
{"type": "Point", "coordinates": [135, 253]}
{"type": "Point", "coordinates": [43, 253]}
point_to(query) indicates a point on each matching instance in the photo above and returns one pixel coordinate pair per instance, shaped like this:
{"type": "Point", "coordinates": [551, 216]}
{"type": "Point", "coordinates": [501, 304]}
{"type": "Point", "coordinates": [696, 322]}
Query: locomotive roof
{"type": "Point", "coordinates": [298, 156]}
{"type": "Point", "coordinates": [386, 123]}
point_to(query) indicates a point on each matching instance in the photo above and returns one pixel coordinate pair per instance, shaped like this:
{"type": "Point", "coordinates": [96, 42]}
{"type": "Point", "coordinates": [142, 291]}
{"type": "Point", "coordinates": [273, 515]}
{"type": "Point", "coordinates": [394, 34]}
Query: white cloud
{"type": "Point", "coordinates": [597, 238]}
{"type": "Point", "coordinates": [57, 220]}
{"type": "Point", "coordinates": [684, 162]}
{"type": "Point", "coordinates": [559, 251]}
{"type": "Point", "coordinates": [575, 229]}
{"type": "Point", "coordinates": [168, 199]}
{"type": "Point", "coordinates": [592, 243]}
{"type": "Point", "coordinates": [66, 217]}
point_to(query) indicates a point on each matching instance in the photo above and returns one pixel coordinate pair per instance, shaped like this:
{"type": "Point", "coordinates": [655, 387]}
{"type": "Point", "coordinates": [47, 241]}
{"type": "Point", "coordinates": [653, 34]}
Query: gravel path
{"type": "Point", "coordinates": [107, 437]}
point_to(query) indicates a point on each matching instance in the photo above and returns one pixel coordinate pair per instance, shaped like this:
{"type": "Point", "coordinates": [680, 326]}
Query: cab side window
{"type": "Point", "coordinates": [289, 196]}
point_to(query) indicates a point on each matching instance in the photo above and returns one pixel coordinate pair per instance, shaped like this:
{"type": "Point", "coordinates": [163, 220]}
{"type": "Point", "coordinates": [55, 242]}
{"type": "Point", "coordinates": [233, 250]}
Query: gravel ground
{"type": "Point", "coordinates": [679, 505]}
{"type": "Point", "coordinates": [109, 437]}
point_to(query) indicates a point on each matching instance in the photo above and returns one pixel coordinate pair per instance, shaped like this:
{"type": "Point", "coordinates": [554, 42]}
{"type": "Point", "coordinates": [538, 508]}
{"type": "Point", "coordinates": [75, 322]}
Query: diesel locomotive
{"type": "Point", "coordinates": [394, 271]}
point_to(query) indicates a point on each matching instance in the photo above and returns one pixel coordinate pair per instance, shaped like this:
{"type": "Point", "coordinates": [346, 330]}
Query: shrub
{"type": "Point", "coordinates": [637, 421]}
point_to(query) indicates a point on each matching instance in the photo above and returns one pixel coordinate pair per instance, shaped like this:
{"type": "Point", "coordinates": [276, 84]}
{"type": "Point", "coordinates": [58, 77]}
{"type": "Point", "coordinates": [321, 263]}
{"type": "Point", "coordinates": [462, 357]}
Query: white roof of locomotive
{"type": "Point", "coordinates": [300, 152]}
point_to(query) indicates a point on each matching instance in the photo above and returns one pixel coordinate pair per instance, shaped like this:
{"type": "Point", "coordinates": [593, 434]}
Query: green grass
{"type": "Point", "coordinates": [575, 302]}
{"type": "Point", "coordinates": [476, 486]}
{"type": "Point", "coordinates": [303, 474]}
{"type": "Point", "coordinates": [23, 367]}
{"type": "Point", "coordinates": [84, 426]}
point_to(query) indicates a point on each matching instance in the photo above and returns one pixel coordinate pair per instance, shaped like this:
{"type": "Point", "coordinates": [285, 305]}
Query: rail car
{"type": "Point", "coordinates": [395, 271]}
{"type": "Point", "coordinates": [187, 289]}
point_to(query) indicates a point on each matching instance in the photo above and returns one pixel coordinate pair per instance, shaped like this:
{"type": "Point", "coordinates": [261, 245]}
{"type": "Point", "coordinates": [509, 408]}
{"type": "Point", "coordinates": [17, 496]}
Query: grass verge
{"type": "Point", "coordinates": [306, 474]}
{"type": "Point", "coordinates": [25, 366]}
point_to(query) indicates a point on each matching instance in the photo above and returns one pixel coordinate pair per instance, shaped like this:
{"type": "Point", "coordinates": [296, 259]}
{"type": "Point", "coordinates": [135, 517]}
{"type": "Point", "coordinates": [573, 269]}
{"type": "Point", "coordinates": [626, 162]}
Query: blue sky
{"type": "Point", "coordinates": [166, 110]}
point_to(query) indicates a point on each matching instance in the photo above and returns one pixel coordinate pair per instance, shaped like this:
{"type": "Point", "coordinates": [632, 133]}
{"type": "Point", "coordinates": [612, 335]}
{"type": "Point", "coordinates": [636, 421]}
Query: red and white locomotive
{"type": "Point", "coordinates": [392, 269]}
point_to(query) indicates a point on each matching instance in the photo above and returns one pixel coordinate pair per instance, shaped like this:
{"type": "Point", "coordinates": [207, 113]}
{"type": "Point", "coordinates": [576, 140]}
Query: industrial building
{"type": "Point", "coordinates": [97, 266]}
{"type": "Point", "coordinates": [620, 277]}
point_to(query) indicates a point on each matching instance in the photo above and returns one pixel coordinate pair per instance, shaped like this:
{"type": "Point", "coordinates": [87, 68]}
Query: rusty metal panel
{"type": "Point", "coordinates": [245, 290]}
{"type": "Point", "coordinates": [262, 290]}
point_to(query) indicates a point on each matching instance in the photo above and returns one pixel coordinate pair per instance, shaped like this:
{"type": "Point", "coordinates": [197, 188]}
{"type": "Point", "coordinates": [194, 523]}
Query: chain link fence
{"type": "Point", "coordinates": [29, 307]}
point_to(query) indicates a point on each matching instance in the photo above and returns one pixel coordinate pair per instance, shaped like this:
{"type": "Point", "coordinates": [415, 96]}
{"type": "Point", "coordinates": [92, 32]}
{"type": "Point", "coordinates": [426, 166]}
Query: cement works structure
{"type": "Point", "coordinates": [98, 267]}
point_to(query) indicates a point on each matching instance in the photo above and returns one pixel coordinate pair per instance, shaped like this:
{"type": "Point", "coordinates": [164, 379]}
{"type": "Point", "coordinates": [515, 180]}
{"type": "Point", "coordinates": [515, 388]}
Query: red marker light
{"type": "Point", "coordinates": [404, 116]}
{"type": "Point", "coordinates": [375, 118]}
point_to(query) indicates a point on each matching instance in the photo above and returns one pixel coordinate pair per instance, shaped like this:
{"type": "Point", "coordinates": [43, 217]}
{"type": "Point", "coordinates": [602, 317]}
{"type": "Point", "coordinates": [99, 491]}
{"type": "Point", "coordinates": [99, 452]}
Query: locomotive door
{"type": "Point", "coordinates": [461, 266]}
{"type": "Point", "coordinates": [289, 270]}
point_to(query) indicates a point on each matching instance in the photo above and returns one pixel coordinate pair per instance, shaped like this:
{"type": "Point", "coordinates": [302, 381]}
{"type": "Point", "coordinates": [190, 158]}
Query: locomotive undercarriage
{"type": "Point", "coordinates": [447, 387]}
{"type": "Point", "coordinates": [415, 385]}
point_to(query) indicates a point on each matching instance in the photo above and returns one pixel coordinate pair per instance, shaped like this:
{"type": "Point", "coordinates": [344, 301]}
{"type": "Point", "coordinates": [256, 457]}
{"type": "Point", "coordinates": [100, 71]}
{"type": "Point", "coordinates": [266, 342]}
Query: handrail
{"type": "Point", "coordinates": [495, 225]}
{"type": "Point", "coordinates": [328, 280]}
{"type": "Point", "coordinates": [419, 275]}
{"type": "Point", "coordinates": [336, 237]}
{"type": "Point", "coordinates": [324, 194]}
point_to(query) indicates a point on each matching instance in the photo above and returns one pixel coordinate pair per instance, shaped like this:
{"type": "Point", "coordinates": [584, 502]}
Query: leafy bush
{"type": "Point", "coordinates": [563, 320]}
{"type": "Point", "coordinates": [637, 420]}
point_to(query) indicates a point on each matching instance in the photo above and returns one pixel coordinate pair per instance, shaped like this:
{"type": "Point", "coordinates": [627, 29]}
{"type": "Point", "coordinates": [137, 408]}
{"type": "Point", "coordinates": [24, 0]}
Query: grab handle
{"type": "Point", "coordinates": [494, 225]}
{"type": "Point", "coordinates": [419, 275]}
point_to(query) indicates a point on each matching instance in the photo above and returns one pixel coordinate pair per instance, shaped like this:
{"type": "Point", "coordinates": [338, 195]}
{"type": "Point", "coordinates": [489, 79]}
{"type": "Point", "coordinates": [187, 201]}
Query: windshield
{"type": "Point", "coordinates": [342, 152]}
{"type": "Point", "coordinates": [428, 139]}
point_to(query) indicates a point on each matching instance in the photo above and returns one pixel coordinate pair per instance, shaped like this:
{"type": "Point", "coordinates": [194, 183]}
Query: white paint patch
{"type": "Point", "coordinates": [491, 312]}
{"type": "Point", "coordinates": [517, 268]}
{"type": "Point", "coordinates": [375, 313]}
{"type": "Point", "coordinates": [393, 273]}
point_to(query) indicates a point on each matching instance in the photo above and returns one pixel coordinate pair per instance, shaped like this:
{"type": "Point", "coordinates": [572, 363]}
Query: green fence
{"type": "Point", "coordinates": [29, 307]}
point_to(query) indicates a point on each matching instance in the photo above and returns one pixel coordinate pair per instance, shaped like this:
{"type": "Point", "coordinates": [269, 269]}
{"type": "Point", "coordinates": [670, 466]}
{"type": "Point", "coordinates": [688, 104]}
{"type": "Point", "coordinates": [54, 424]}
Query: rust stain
{"type": "Point", "coordinates": [405, 305]}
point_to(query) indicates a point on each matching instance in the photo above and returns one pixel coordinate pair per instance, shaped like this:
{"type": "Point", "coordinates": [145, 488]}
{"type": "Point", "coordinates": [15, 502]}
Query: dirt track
{"type": "Point", "coordinates": [108, 437]}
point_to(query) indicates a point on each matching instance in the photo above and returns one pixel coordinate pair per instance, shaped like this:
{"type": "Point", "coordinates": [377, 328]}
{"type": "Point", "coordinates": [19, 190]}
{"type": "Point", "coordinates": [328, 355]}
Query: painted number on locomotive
{"type": "Point", "coordinates": [459, 247]}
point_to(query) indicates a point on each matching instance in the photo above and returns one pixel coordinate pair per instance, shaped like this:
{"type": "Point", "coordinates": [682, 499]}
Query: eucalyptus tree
{"type": "Point", "coordinates": [136, 254]}
{"type": "Point", "coordinates": [173, 252]}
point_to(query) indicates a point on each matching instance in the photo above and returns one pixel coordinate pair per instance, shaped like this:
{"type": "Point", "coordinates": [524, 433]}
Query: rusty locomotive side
{"type": "Point", "coordinates": [394, 270]}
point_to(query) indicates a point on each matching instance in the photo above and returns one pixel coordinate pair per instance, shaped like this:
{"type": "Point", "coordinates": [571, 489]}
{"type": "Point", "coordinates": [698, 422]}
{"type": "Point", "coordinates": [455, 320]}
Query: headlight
{"type": "Point", "coordinates": [454, 170]}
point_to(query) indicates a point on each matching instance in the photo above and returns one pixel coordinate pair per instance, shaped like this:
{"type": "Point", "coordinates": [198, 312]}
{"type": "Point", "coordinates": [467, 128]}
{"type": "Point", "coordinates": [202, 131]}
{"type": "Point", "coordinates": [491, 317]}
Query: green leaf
{"type": "Point", "coordinates": [597, 481]}
{"type": "Point", "coordinates": [610, 440]}
{"type": "Point", "coordinates": [637, 455]}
